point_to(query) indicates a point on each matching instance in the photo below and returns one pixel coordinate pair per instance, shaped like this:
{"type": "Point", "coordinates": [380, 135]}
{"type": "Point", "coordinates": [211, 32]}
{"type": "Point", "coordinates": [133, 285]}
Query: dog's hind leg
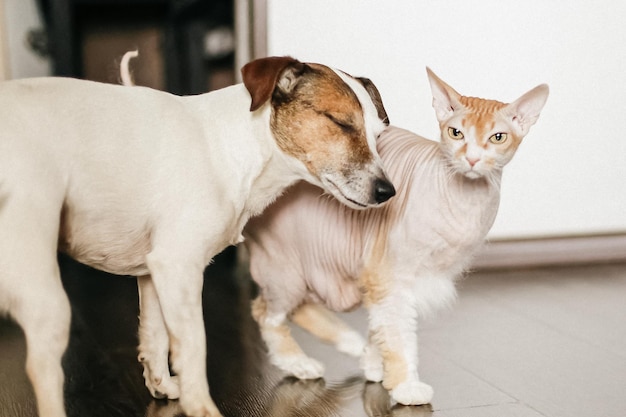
{"type": "Point", "coordinates": [323, 323]}
{"type": "Point", "coordinates": [154, 343]}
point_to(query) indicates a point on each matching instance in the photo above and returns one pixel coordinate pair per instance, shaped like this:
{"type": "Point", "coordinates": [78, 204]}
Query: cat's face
{"type": "Point", "coordinates": [478, 136]}
{"type": "Point", "coordinates": [477, 139]}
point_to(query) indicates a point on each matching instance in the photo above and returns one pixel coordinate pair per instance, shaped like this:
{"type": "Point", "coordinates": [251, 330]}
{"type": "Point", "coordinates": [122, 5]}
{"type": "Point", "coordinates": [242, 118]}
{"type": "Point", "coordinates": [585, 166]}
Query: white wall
{"type": "Point", "coordinates": [569, 176]}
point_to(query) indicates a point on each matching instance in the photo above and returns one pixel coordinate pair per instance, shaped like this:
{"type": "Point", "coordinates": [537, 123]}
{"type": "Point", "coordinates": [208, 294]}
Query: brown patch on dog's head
{"type": "Point", "coordinates": [326, 118]}
{"type": "Point", "coordinates": [328, 121]}
{"type": "Point", "coordinates": [262, 75]}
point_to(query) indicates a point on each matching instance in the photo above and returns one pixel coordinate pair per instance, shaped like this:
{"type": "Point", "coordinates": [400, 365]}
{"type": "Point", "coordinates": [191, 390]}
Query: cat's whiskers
{"type": "Point", "coordinates": [493, 177]}
{"type": "Point", "coordinates": [450, 171]}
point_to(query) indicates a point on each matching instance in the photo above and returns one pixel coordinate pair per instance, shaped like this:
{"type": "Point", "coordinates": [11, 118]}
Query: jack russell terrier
{"type": "Point", "coordinates": [135, 181]}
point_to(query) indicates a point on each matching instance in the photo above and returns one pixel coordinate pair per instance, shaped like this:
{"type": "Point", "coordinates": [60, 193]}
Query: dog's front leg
{"type": "Point", "coordinates": [154, 343]}
{"type": "Point", "coordinates": [393, 338]}
{"type": "Point", "coordinates": [178, 284]}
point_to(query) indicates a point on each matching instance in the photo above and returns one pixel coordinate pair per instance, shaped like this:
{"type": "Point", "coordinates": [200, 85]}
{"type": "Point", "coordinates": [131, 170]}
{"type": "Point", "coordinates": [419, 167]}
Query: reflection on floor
{"type": "Point", "coordinates": [547, 342]}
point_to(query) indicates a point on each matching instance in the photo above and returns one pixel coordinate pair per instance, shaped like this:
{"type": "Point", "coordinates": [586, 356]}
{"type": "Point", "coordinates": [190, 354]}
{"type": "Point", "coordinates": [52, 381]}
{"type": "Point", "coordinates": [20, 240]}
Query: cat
{"type": "Point", "coordinates": [309, 254]}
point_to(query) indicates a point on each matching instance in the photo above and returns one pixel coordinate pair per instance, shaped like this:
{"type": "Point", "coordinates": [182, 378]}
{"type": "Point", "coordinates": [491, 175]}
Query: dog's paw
{"type": "Point", "coordinates": [412, 393]}
{"type": "Point", "coordinates": [351, 343]}
{"type": "Point", "coordinates": [302, 367]}
{"type": "Point", "coordinates": [372, 364]}
{"type": "Point", "coordinates": [161, 386]}
{"type": "Point", "coordinates": [164, 387]}
{"type": "Point", "coordinates": [200, 408]}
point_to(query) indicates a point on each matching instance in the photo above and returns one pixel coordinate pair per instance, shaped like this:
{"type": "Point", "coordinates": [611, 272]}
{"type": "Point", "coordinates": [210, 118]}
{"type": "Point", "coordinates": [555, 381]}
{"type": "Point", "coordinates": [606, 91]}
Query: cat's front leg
{"type": "Point", "coordinates": [283, 350]}
{"type": "Point", "coordinates": [371, 361]}
{"type": "Point", "coordinates": [393, 336]}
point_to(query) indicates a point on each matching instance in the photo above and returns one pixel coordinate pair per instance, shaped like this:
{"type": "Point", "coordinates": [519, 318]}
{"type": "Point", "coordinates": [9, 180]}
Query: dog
{"type": "Point", "coordinates": [135, 181]}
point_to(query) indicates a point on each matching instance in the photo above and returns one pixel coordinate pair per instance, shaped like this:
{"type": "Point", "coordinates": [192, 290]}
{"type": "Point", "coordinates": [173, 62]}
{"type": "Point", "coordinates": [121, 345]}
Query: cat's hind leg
{"type": "Point", "coordinates": [283, 350]}
{"type": "Point", "coordinates": [324, 324]}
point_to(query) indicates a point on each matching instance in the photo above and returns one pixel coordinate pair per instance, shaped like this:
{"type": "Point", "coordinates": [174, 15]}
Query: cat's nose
{"type": "Point", "coordinates": [472, 161]}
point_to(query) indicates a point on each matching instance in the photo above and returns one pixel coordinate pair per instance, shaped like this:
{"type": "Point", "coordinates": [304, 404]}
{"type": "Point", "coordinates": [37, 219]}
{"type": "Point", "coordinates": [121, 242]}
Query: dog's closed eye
{"type": "Point", "coordinates": [345, 125]}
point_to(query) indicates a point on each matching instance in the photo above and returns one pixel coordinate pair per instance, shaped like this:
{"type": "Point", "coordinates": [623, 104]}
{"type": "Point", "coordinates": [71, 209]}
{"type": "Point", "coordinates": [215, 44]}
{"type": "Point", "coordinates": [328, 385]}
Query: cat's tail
{"type": "Point", "coordinates": [125, 75]}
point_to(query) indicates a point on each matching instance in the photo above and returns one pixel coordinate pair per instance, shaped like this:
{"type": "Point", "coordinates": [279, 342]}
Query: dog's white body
{"type": "Point", "coordinates": [140, 182]}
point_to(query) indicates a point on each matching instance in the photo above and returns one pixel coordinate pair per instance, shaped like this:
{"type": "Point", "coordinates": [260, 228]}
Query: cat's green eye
{"type": "Point", "coordinates": [498, 138]}
{"type": "Point", "coordinates": [455, 133]}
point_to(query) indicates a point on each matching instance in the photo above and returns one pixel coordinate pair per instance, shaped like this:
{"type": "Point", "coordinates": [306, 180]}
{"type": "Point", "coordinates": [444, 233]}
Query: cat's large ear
{"type": "Point", "coordinates": [445, 98]}
{"type": "Point", "coordinates": [525, 111]}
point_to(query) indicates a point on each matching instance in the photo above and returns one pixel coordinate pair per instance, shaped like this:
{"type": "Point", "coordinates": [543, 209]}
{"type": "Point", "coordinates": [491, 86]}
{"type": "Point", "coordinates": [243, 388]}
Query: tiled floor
{"type": "Point", "coordinates": [548, 342]}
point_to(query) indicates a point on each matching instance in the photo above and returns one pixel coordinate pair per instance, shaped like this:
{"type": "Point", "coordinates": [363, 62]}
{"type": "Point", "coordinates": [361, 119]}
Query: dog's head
{"type": "Point", "coordinates": [327, 120]}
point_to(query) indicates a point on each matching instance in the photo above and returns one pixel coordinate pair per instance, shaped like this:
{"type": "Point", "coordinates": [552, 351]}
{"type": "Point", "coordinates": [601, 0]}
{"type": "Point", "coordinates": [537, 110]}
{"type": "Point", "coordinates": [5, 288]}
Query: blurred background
{"type": "Point", "coordinates": [565, 185]}
{"type": "Point", "coordinates": [187, 46]}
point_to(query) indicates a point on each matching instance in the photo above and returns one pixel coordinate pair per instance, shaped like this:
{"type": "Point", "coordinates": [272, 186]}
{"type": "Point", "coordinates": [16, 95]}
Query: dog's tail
{"type": "Point", "coordinates": [124, 68]}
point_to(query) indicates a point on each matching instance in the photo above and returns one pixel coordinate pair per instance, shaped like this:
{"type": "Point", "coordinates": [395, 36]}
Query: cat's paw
{"type": "Point", "coordinates": [412, 393]}
{"type": "Point", "coordinates": [350, 343]}
{"type": "Point", "coordinates": [302, 367]}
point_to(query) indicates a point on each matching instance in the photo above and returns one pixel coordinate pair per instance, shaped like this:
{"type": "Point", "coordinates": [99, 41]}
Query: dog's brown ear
{"type": "Point", "coordinates": [263, 75]}
{"type": "Point", "coordinates": [376, 98]}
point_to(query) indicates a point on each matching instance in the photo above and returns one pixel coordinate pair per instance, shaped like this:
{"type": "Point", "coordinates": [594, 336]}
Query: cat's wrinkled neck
{"type": "Point", "coordinates": [488, 182]}
{"type": "Point", "coordinates": [461, 192]}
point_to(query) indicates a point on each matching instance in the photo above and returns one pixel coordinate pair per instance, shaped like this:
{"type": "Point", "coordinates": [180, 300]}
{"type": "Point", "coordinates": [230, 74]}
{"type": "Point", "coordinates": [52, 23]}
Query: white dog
{"type": "Point", "coordinates": [140, 182]}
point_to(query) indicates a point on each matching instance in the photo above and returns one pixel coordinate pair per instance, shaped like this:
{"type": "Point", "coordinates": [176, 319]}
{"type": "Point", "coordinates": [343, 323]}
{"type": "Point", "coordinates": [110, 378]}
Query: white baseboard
{"type": "Point", "coordinates": [551, 251]}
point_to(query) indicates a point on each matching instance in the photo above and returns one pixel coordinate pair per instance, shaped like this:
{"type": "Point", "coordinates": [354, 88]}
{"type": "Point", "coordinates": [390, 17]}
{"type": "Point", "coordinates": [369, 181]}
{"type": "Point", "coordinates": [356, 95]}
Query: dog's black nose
{"type": "Point", "coordinates": [383, 190]}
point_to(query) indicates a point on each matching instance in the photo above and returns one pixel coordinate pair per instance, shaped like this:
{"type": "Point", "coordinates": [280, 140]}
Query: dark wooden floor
{"type": "Point", "coordinates": [548, 342]}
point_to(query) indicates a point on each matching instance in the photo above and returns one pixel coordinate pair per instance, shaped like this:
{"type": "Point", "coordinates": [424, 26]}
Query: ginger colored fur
{"type": "Point", "coordinates": [399, 260]}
